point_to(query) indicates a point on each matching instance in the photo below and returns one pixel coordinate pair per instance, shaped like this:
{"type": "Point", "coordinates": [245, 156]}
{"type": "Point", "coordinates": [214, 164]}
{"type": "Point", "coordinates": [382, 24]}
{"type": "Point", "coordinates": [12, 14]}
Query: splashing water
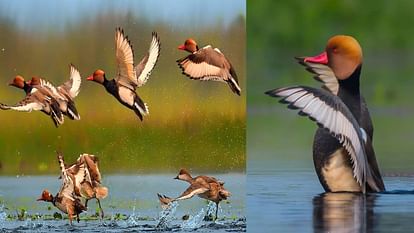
{"type": "Point", "coordinates": [211, 210]}
{"type": "Point", "coordinates": [3, 216]}
{"type": "Point", "coordinates": [166, 216]}
{"type": "Point", "coordinates": [194, 222]}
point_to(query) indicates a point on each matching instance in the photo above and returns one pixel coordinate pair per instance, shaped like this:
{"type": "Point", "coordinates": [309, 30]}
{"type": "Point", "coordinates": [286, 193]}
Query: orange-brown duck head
{"type": "Point", "coordinates": [343, 55]}
{"type": "Point", "coordinates": [183, 175]}
{"type": "Point", "coordinates": [46, 196]}
{"type": "Point", "coordinates": [97, 76]}
{"type": "Point", "coordinates": [189, 45]}
{"type": "Point", "coordinates": [34, 81]}
{"type": "Point", "coordinates": [18, 82]}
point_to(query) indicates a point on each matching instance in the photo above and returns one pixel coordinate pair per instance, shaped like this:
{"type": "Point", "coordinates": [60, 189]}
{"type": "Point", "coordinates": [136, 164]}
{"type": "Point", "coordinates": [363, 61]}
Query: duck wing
{"type": "Point", "coordinates": [194, 189]}
{"type": "Point", "coordinates": [331, 113]}
{"type": "Point", "coordinates": [323, 74]}
{"type": "Point", "coordinates": [72, 86]}
{"type": "Point", "coordinates": [206, 64]}
{"type": "Point", "coordinates": [33, 101]}
{"type": "Point", "coordinates": [146, 65]}
{"type": "Point", "coordinates": [67, 188]}
{"type": "Point", "coordinates": [126, 75]}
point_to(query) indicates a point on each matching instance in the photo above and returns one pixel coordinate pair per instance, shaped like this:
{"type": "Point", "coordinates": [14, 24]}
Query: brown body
{"type": "Point", "coordinates": [65, 200]}
{"type": "Point", "coordinates": [87, 179]}
{"type": "Point", "coordinates": [205, 187]}
{"type": "Point", "coordinates": [208, 64]}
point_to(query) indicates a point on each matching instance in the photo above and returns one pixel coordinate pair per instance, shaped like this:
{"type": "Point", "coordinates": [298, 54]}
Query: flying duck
{"type": "Point", "coordinates": [64, 93]}
{"type": "Point", "coordinates": [38, 99]}
{"type": "Point", "coordinates": [204, 186]}
{"type": "Point", "coordinates": [129, 77]}
{"type": "Point", "coordinates": [208, 63]}
{"type": "Point", "coordinates": [343, 154]}
{"type": "Point", "coordinates": [88, 179]}
{"type": "Point", "coordinates": [65, 200]}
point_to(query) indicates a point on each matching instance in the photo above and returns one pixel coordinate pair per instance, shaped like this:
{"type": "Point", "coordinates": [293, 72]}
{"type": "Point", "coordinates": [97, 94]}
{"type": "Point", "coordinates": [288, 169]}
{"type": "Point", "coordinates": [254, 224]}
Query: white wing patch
{"type": "Point", "coordinates": [202, 71]}
{"type": "Point", "coordinates": [153, 54]}
{"type": "Point", "coordinates": [76, 82]}
{"type": "Point", "coordinates": [27, 107]}
{"type": "Point", "coordinates": [325, 75]}
{"type": "Point", "coordinates": [333, 120]}
{"type": "Point", "coordinates": [192, 193]}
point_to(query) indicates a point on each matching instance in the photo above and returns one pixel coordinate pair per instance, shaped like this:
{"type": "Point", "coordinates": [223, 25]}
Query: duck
{"type": "Point", "coordinates": [129, 77]}
{"type": "Point", "coordinates": [343, 153]}
{"type": "Point", "coordinates": [64, 93]}
{"type": "Point", "coordinates": [38, 99]}
{"type": "Point", "coordinates": [88, 179]}
{"type": "Point", "coordinates": [207, 63]}
{"type": "Point", "coordinates": [205, 187]}
{"type": "Point", "coordinates": [65, 200]}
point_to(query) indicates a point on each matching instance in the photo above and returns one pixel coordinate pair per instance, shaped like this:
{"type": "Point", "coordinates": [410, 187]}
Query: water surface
{"type": "Point", "coordinates": [132, 205]}
{"type": "Point", "coordinates": [289, 200]}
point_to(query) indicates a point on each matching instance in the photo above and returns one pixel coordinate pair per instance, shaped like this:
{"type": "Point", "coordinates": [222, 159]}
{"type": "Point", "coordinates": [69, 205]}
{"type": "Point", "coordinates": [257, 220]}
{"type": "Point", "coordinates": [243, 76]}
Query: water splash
{"type": "Point", "coordinates": [3, 216]}
{"type": "Point", "coordinates": [194, 222]}
{"type": "Point", "coordinates": [166, 216]}
{"type": "Point", "coordinates": [132, 220]}
{"type": "Point", "coordinates": [211, 211]}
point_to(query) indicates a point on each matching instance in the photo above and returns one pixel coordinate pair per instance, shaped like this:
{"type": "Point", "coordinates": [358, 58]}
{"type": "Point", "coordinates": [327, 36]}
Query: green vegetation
{"type": "Point", "coordinates": [199, 125]}
{"type": "Point", "coordinates": [281, 30]}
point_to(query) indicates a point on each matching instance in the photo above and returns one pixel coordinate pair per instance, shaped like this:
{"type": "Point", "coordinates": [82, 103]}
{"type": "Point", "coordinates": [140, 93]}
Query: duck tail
{"type": "Point", "coordinates": [224, 194]}
{"type": "Point", "coordinates": [56, 114]}
{"type": "Point", "coordinates": [101, 192]}
{"type": "Point", "coordinates": [164, 200]}
{"type": "Point", "coordinates": [140, 108]}
{"type": "Point", "coordinates": [72, 111]}
{"type": "Point", "coordinates": [234, 85]}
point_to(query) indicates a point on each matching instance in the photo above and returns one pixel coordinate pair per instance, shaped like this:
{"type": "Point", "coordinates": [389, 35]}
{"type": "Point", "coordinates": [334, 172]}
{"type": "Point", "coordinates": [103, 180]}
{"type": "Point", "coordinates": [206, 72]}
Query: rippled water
{"type": "Point", "coordinates": [288, 200]}
{"type": "Point", "coordinates": [132, 205]}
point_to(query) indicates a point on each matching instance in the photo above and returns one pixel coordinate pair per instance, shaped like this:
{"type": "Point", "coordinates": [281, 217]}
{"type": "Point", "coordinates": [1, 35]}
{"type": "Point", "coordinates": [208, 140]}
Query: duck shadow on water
{"type": "Point", "coordinates": [349, 212]}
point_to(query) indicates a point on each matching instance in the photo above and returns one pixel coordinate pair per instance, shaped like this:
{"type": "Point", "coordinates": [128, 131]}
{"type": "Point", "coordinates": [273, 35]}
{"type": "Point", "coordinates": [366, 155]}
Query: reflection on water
{"type": "Point", "coordinates": [343, 212]}
{"type": "Point", "coordinates": [288, 200]}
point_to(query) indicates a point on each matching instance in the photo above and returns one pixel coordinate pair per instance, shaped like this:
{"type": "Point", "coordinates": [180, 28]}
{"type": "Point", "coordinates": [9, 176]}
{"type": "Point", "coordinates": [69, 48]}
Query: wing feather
{"type": "Point", "coordinates": [144, 68]}
{"type": "Point", "coordinates": [330, 112]}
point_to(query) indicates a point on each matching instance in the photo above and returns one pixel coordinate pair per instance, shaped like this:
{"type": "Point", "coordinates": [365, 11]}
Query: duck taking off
{"type": "Point", "coordinates": [206, 187]}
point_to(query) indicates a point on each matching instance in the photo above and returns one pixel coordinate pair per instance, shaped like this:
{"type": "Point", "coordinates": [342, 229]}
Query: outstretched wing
{"type": "Point", "coordinates": [28, 104]}
{"type": "Point", "coordinates": [206, 64]}
{"type": "Point", "coordinates": [323, 73]}
{"type": "Point", "coordinates": [72, 86]}
{"type": "Point", "coordinates": [194, 189]}
{"type": "Point", "coordinates": [67, 189]}
{"type": "Point", "coordinates": [331, 113]}
{"type": "Point", "coordinates": [144, 68]}
{"type": "Point", "coordinates": [125, 59]}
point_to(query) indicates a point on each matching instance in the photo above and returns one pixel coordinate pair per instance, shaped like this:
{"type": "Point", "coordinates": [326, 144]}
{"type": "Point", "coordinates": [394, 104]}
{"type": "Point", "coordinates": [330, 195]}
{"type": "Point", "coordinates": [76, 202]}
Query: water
{"type": "Point", "coordinates": [289, 200]}
{"type": "Point", "coordinates": [132, 205]}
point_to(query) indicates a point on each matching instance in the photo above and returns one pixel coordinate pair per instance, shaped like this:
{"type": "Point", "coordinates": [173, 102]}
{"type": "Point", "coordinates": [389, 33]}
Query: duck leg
{"type": "Point", "coordinates": [100, 207]}
{"type": "Point", "coordinates": [217, 206]}
{"type": "Point", "coordinates": [86, 203]}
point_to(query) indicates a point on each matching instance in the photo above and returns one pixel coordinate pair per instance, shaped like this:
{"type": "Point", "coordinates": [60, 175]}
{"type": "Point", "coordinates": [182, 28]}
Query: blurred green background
{"type": "Point", "coordinates": [280, 30]}
{"type": "Point", "coordinates": [198, 125]}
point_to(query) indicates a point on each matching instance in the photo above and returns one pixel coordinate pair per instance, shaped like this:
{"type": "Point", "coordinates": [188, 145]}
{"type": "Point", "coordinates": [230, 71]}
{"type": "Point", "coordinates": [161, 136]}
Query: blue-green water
{"type": "Point", "coordinates": [131, 196]}
{"type": "Point", "coordinates": [291, 200]}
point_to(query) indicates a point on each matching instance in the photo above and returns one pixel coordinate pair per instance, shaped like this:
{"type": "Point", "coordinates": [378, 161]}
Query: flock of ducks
{"type": "Point", "coordinates": [202, 64]}
{"type": "Point", "coordinates": [82, 179]}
